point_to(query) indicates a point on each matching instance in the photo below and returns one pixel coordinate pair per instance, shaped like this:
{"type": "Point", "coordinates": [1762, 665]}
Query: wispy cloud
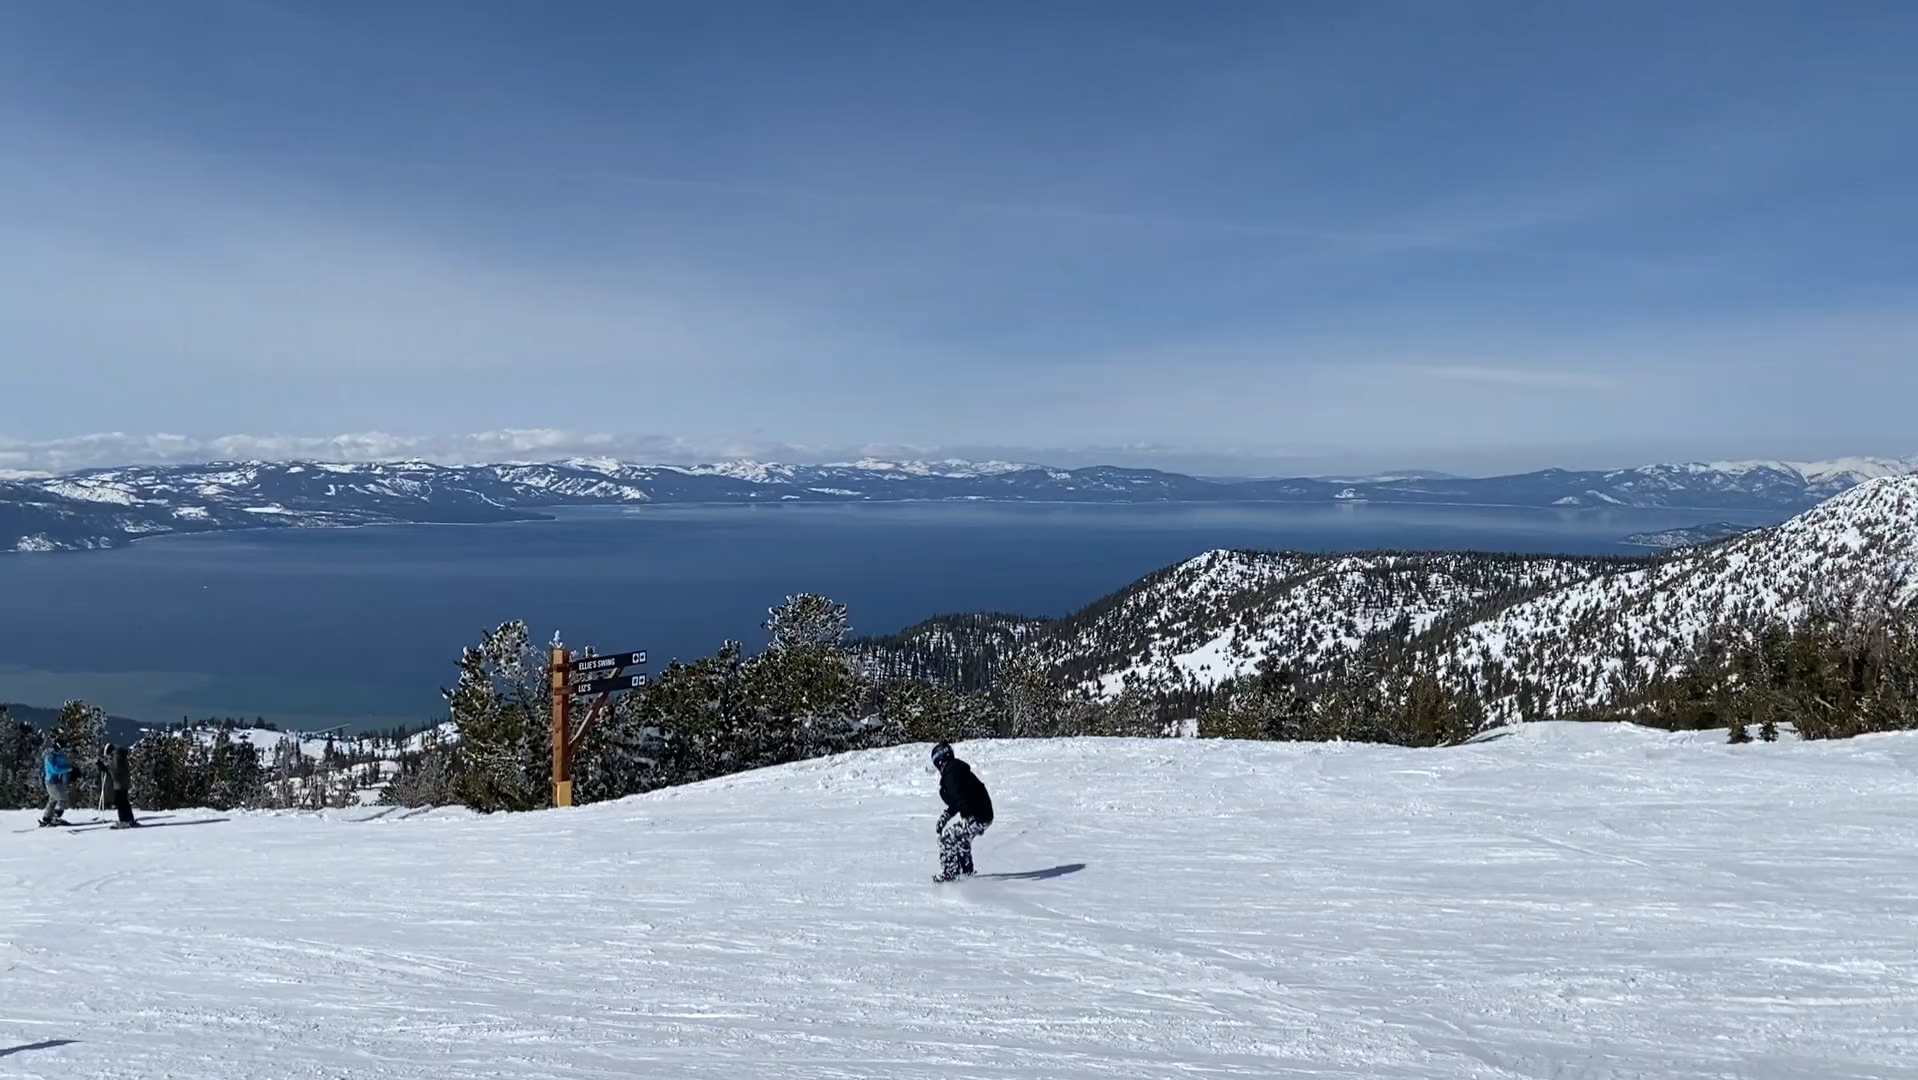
{"type": "Point", "coordinates": [1523, 378]}
{"type": "Point", "coordinates": [27, 458]}
{"type": "Point", "coordinates": [526, 444]}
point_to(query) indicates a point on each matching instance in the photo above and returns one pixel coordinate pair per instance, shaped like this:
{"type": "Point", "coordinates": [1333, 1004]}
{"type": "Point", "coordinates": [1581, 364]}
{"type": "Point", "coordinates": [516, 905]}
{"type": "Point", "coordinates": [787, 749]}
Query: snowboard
{"type": "Point", "coordinates": [1019, 875]}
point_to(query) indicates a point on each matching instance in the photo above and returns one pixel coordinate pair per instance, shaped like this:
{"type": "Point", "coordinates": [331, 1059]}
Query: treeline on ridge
{"type": "Point", "coordinates": [220, 764]}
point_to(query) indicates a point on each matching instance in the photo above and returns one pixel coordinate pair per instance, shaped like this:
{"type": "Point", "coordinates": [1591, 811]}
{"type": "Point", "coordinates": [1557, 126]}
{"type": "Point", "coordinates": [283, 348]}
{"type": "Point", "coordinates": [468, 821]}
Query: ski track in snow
{"type": "Point", "coordinates": [1575, 902]}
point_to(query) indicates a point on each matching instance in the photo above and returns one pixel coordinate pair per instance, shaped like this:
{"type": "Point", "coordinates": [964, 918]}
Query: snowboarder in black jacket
{"type": "Point", "coordinates": [968, 813]}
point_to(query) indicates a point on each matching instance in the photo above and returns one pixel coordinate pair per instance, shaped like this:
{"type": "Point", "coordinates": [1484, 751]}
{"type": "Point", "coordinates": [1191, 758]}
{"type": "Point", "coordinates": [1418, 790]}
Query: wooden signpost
{"type": "Point", "coordinates": [587, 675]}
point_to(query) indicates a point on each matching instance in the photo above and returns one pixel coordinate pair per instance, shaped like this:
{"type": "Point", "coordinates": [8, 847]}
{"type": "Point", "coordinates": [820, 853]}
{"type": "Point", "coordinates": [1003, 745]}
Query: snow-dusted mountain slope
{"type": "Point", "coordinates": [1216, 616]}
{"type": "Point", "coordinates": [1564, 626]}
{"type": "Point", "coordinates": [106, 507]}
{"type": "Point", "coordinates": [1569, 900]}
{"type": "Point", "coordinates": [1746, 485]}
{"type": "Point", "coordinates": [1572, 645]}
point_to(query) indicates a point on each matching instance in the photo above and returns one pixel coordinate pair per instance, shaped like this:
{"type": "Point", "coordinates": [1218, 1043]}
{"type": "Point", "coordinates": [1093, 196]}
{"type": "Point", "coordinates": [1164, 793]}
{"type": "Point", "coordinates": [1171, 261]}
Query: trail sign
{"type": "Point", "coordinates": [611, 685]}
{"type": "Point", "coordinates": [587, 667]}
{"type": "Point", "coordinates": [578, 677]}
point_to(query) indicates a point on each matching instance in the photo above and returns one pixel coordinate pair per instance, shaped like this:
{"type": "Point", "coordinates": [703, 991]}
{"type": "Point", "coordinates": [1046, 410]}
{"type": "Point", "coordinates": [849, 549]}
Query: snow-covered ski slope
{"type": "Point", "coordinates": [1557, 901]}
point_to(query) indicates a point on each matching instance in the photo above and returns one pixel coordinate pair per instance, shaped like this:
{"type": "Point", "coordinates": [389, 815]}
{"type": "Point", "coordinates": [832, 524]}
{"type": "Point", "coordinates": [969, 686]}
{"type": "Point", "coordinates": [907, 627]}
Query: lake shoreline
{"type": "Point", "coordinates": [561, 513]}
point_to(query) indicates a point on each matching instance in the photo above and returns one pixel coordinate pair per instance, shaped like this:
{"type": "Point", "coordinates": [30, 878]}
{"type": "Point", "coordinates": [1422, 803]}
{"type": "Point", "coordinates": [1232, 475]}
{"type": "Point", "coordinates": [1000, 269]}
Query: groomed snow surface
{"type": "Point", "coordinates": [1565, 901]}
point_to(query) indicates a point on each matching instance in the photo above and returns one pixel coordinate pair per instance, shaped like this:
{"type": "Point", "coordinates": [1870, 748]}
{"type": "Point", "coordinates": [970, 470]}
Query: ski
{"type": "Point", "coordinates": [103, 823]}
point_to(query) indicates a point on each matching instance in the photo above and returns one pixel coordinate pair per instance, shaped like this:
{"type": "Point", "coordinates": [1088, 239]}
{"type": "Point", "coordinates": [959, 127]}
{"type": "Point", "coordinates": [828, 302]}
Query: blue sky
{"type": "Point", "coordinates": [1259, 236]}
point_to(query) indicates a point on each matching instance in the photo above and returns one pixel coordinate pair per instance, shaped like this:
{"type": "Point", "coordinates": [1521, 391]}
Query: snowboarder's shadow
{"type": "Point", "coordinates": [50, 1044]}
{"type": "Point", "coordinates": [1036, 875]}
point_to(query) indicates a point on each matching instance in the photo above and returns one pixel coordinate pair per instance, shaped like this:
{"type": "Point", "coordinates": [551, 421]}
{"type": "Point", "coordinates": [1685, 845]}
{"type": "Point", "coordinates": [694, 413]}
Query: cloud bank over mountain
{"type": "Point", "coordinates": [23, 457]}
{"type": "Point", "coordinates": [514, 444]}
{"type": "Point", "coordinates": [109, 449]}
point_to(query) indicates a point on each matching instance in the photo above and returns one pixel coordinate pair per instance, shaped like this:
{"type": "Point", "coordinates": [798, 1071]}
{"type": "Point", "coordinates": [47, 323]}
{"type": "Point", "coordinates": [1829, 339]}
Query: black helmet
{"type": "Point", "coordinates": [942, 754]}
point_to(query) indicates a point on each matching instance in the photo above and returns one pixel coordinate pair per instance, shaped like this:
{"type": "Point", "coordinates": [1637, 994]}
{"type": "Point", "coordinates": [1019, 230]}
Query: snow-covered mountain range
{"type": "Point", "coordinates": [102, 508]}
{"type": "Point", "coordinates": [1542, 636]}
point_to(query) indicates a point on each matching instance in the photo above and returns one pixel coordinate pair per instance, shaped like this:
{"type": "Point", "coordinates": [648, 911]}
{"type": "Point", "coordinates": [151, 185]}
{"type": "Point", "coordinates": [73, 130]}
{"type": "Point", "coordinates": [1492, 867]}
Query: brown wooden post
{"type": "Point", "coordinates": [562, 765]}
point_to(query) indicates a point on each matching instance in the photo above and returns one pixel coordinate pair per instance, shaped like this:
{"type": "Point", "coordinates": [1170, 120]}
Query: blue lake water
{"type": "Point", "coordinates": [360, 626]}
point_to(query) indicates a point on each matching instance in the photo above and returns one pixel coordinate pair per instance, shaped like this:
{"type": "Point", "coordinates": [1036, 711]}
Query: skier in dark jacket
{"type": "Point", "coordinates": [113, 779]}
{"type": "Point", "coordinates": [968, 813]}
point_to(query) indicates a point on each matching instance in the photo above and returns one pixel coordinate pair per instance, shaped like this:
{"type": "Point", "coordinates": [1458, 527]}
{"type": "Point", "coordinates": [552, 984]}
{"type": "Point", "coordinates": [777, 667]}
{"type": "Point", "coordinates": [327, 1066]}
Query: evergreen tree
{"type": "Point", "coordinates": [429, 777]}
{"type": "Point", "coordinates": [803, 694]}
{"type": "Point", "coordinates": [807, 621]}
{"type": "Point", "coordinates": [1031, 703]}
{"type": "Point", "coordinates": [158, 768]}
{"type": "Point", "coordinates": [234, 776]}
{"type": "Point", "coordinates": [501, 708]}
{"type": "Point", "coordinates": [912, 711]}
{"type": "Point", "coordinates": [81, 731]}
{"type": "Point", "coordinates": [624, 753]}
{"type": "Point", "coordinates": [20, 772]}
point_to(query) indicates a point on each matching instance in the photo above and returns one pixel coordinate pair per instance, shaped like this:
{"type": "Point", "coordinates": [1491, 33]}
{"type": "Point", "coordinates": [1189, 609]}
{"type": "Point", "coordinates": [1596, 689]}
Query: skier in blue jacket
{"type": "Point", "coordinates": [58, 772]}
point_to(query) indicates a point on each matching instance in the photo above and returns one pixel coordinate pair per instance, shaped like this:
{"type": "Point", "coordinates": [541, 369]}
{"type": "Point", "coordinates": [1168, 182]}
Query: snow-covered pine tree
{"type": "Point", "coordinates": [500, 708]}
{"type": "Point", "coordinates": [81, 731]}
{"type": "Point", "coordinates": [1240, 712]}
{"type": "Point", "coordinates": [807, 620]}
{"type": "Point", "coordinates": [429, 777]}
{"type": "Point", "coordinates": [235, 777]}
{"type": "Point", "coordinates": [1031, 703]}
{"type": "Point", "coordinates": [156, 771]}
{"type": "Point", "coordinates": [804, 691]}
{"type": "Point", "coordinates": [916, 711]}
{"type": "Point", "coordinates": [705, 713]}
{"type": "Point", "coordinates": [625, 752]}
{"type": "Point", "coordinates": [1133, 714]}
{"type": "Point", "coordinates": [20, 785]}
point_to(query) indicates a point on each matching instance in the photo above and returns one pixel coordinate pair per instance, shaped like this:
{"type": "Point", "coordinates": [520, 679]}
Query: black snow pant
{"type": "Point", "coordinates": [123, 805]}
{"type": "Point", "coordinates": [955, 846]}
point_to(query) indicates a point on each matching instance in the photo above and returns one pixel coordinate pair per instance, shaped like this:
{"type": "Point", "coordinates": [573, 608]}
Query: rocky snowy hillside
{"type": "Point", "coordinates": [1214, 617]}
{"type": "Point", "coordinates": [1536, 636]}
{"type": "Point", "coordinates": [1587, 645]}
{"type": "Point", "coordinates": [107, 507]}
